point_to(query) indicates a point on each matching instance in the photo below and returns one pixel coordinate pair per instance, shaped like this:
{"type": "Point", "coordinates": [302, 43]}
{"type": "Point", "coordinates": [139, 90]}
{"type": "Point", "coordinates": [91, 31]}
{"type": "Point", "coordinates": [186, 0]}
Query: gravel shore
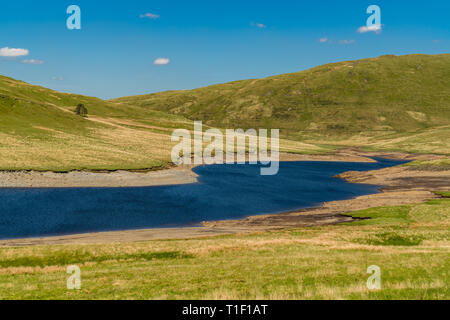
{"type": "Point", "coordinates": [83, 179]}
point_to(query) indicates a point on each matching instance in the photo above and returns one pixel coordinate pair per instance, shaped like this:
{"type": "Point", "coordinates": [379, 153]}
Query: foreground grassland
{"type": "Point", "coordinates": [409, 243]}
{"type": "Point", "coordinates": [386, 103]}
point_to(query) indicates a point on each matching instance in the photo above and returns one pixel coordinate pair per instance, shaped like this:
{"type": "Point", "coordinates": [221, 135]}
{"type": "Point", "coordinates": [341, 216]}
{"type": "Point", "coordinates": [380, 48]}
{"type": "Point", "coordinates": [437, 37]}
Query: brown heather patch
{"type": "Point", "coordinates": [31, 270]}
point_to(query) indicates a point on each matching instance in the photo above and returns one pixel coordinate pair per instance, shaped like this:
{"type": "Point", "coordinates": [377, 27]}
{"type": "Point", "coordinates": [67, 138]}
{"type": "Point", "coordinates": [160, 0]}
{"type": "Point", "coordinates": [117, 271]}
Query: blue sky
{"type": "Point", "coordinates": [207, 42]}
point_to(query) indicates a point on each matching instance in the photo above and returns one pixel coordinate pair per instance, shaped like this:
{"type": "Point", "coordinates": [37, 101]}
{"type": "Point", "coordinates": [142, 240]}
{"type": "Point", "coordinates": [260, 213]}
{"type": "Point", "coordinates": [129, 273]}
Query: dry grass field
{"type": "Point", "coordinates": [409, 243]}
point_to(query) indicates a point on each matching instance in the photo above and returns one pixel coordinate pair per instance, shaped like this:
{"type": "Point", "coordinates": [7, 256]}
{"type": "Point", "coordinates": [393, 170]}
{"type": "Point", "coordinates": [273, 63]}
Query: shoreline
{"type": "Point", "coordinates": [86, 179]}
{"type": "Point", "coordinates": [173, 176]}
{"type": "Point", "coordinates": [399, 186]}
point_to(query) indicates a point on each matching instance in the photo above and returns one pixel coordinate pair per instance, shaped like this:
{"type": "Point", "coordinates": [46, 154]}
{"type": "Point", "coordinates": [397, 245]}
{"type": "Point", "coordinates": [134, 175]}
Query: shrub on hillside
{"type": "Point", "coordinates": [81, 110]}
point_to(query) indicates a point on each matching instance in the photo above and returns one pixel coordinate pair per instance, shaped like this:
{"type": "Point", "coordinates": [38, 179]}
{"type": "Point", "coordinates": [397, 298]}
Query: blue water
{"type": "Point", "coordinates": [223, 192]}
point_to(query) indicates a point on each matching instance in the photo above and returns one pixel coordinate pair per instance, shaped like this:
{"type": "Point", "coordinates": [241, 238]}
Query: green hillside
{"type": "Point", "coordinates": [39, 130]}
{"type": "Point", "coordinates": [394, 103]}
{"type": "Point", "coordinates": [387, 97]}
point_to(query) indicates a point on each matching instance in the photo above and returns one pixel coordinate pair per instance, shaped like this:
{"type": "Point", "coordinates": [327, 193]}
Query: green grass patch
{"type": "Point", "coordinates": [445, 194]}
{"type": "Point", "coordinates": [64, 258]}
{"type": "Point", "coordinates": [398, 216]}
{"type": "Point", "coordinates": [394, 239]}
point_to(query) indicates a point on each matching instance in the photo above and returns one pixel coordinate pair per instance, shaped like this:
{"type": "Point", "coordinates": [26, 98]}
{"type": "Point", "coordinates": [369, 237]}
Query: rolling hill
{"type": "Point", "coordinates": [39, 130]}
{"type": "Point", "coordinates": [393, 99]}
{"type": "Point", "coordinates": [395, 103]}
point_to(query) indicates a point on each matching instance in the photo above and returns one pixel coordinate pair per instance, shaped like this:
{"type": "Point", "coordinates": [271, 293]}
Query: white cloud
{"type": "Point", "coordinates": [150, 15]}
{"type": "Point", "coordinates": [346, 41]}
{"type": "Point", "coordinates": [258, 25]}
{"type": "Point", "coordinates": [162, 61]}
{"type": "Point", "coordinates": [33, 61]}
{"type": "Point", "coordinates": [374, 28]}
{"type": "Point", "coordinates": [323, 40]}
{"type": "Point", "coordinates": [58, 78]}
{"type": "Point", "coordinates": [13, 52]}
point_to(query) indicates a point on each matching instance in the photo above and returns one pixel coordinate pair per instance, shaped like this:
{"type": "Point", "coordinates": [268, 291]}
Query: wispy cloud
{"type": "Point", "coordinates": [258, 25]}
{"type": "Point", "coordinates": [346, 41]}
{"type": "Point", "coordinates": [161, 61]}
{"type": "Point", "coordinates": [13, 52]}
{"type": "Point", "coordinates": [58, 78]}
{"type": "Point", "coordinates": [323, 40]}
{"type": "Point", "coordinates": [149, 15]}
{"type": "Point", "coordinates": [377, 28]}
{"type": "Point", "coordinates": [33, 61]}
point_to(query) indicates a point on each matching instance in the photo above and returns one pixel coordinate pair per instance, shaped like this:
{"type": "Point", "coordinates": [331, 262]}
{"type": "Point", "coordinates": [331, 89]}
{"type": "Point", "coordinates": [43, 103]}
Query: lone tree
{"type": "Point", "coordinates": [81, 110]}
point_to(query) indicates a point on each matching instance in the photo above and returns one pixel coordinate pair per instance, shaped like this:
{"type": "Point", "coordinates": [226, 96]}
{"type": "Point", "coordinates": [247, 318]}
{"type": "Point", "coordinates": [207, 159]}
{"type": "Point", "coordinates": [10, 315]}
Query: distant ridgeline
{"type": "Point", "coordinates": [387, 94]}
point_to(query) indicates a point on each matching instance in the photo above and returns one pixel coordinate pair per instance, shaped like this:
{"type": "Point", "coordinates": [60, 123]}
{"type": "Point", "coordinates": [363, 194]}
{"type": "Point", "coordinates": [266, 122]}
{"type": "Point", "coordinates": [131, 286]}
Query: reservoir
{"type": "Point", "coordinates": [223, 192]}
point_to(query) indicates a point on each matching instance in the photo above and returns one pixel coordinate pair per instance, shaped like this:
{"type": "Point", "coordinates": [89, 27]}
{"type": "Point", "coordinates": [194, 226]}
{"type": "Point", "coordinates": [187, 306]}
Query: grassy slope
{"type": "Point", "coordinates": [409, 243]}
{"type": "Point", "coordinates": [433, 165]}
{"type": "Point", "coordinates": [395, 103]}
{"type": "Point", "coordinates": [398, 103]}
{"type": "Point", "coordinates": [39, 130]}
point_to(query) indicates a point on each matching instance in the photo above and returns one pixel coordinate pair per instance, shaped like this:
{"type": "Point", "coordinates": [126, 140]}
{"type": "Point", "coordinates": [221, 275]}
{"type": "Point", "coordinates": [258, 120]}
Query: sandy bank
{"type": "Point", "coordinates": [83, 179]}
